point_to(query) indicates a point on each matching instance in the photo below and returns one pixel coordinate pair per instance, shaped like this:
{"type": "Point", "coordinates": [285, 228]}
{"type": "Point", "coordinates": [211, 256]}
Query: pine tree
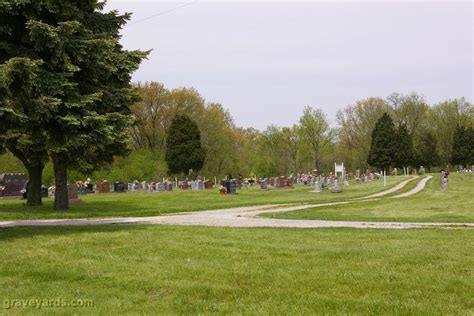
{"type": "Point", "coordinates": [404, 155]}
{"type": "Point", "coordinates": [25, 107]}
{"type": "Point", "coordinates": [462, 152]}
{"type": "Point", "coordinates": [382, 148]}
{"type": "Point", "coordinates": [67, 81]}
{"type": "Point", "coordinates": [183, 146]}
{"type": "Point", "coordinates": [470, 141]}
{"type": "Point", "coordinates": [426, 153]}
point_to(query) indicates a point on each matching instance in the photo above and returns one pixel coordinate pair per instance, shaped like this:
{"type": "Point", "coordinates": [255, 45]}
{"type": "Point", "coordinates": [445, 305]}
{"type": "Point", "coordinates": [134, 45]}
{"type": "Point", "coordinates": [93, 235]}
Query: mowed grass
{"type": "Point", "coordinates": [149, 204]}
{"type": "Point", "coordinates": [430, 205]}
{"type": "Point", "coordinates": [191, 270]}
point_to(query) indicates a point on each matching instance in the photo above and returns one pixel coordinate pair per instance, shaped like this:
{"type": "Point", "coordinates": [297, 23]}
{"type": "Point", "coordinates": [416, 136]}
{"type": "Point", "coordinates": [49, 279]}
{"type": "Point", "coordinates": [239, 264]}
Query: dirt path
{"type": "Point", "coordinates": [237, 217]}
{"type": "Point", "coordinates": [419, 187]}
{"type": "Point", "coordinates": [246, 217]}
{"type": "Point", "coordinates": [399, 186]}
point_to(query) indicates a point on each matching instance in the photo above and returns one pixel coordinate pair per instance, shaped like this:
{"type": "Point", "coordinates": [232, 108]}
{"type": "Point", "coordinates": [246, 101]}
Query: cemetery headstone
{"type": "Point", "coordinates": [51, 190]}
{"type": "Point", "coordinates": [336, 188]}
{"type": "Point", "coordinates": [281, 182]}
{"type": "Point", "coordinates": [317, 187]}
{"type": "Point", "coordinates": [12, 184]}
{"type": "Point", "coordinates": [73, 193]}
{"type": "Point", "coordinates": [184, 185]}
{"type": "Point", "coordinates": [160, 187]}
{"type": "Point", "coordinates": [136, 186]}
{"type": "Point", "coordinates": [120, 187]}
{"type": "Point", "coordinates": [168, 186]}
{"type": "Point", "coordinates": [231, 186]}
{"type": "Point", "coordinates": [103, 187]}
{"type": "Point", "coordinates": [208, 185]}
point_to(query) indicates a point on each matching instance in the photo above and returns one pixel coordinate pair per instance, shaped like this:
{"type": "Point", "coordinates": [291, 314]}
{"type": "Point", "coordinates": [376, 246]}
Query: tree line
{"type": "Point", "coordinates": [408, 133]}
{"type": "Point", "coordinates": [393, 146]}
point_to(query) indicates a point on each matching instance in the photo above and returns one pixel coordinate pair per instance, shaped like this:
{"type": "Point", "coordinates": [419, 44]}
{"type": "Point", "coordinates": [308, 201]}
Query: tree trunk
{"type": "Point", "coordinates": [61, 199]}
{"type": "Point", "coordinates": [35, 176]}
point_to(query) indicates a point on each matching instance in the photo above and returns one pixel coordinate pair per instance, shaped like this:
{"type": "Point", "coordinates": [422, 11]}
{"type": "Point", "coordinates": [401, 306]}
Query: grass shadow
{"type": "Point", "coordinates": [12, 233]}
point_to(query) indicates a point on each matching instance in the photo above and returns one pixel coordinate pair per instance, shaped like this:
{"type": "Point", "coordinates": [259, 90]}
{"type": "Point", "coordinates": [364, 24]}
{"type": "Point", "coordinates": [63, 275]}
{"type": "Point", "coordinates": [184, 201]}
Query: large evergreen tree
{"type": "Point", "coordinates": [26, 83]}
{"type": "Point", "coordinates": [426, 153]}
{"type": "Point", "coordinates": [403, 156]}
{"type": "Point", "coordinates": [183, 146]}
{"type": "Point", "coordinates": [463, 146]}
{"type": "Point", "coordinates": [383, 146]}
{"type": "Point", "coordinates": [65, 71]}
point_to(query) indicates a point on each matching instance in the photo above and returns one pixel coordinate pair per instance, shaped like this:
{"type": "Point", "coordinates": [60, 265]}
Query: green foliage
{"type": "Point", "coordinates": [217, 138]}
{"type": "Point", "coordinates": [11, 164]}
{"type": "Point", "coordinates": [266, 168]}
{"type": "Point", "coordinates": [463, 146]}
{"type": "Point", "coordinates": [404, 152]}
{"type": "Point", "coordinates": [443, 119]}
{"type": "Point", "coordinates": [65, 79]}
{"type": "Point", "coordinates": [315, 131]}
{"type": "Point", "coordinates": [356, 124]}
{"type": "Point", "coordinates": [183, 146]}
{"type": "Point", "coordinates": [382, 149]}
{"type": "Point", "coordinates": [284, 150]}
{"type": "Point", "coordinates": [139, 165]}
{"type": "Point", "coordinates": [426, 153]}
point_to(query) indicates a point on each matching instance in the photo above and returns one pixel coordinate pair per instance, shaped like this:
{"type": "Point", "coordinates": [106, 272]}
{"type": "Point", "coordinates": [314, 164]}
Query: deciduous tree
{"type": "Point", "coordinates": [315, 131]}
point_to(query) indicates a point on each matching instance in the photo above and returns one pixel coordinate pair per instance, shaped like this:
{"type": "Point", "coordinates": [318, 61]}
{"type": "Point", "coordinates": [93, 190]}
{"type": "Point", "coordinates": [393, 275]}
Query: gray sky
{"type": "Point", "coordinates": [264, 61]}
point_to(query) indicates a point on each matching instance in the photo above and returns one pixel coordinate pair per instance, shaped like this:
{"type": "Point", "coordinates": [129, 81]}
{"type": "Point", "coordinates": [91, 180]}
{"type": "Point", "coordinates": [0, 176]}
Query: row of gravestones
{"type": "Point", "coordinates": [196, 185]}
{"type": "Point", "coordinates": [367, 178]}
{"type": "Point", "coordinates": [329, 183]}
{"type": "Point", "coordinates": [277, 183]}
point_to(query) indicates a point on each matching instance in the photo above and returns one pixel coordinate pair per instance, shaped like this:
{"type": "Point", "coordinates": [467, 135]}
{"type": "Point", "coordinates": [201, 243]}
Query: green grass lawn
{"type": "Point", "coordinates": [189, 270]}
{"type": "Point", "coordinates": [149, 204]}
{"type": "Point", "coordinates": [430, 205]}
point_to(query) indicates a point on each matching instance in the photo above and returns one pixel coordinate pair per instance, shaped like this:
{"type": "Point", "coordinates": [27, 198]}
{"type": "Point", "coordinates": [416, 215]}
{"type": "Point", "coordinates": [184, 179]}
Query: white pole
{"type": "Point", "coordinates": [215, 180]}
{"type": "Point", "coordinates": [176, 181]}
{"type": "Point", "coordinates": [384, 178]}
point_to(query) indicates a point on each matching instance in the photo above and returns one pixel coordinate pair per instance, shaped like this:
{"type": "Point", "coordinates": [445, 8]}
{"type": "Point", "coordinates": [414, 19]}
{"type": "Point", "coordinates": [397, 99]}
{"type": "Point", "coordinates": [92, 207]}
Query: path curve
{"type": "Point", "coordinates": [420, 186]}
{"type": "Point", "coordinates": [237, 217]}
{"type": "Point", "coordinates": [247, 217]}
{"type": "Point", "coordinates": [399, 186]}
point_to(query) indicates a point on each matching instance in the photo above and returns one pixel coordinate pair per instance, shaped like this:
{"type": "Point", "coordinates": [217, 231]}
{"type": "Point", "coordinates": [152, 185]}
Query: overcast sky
{"type": "Point", "coordinates": [265, 61]}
